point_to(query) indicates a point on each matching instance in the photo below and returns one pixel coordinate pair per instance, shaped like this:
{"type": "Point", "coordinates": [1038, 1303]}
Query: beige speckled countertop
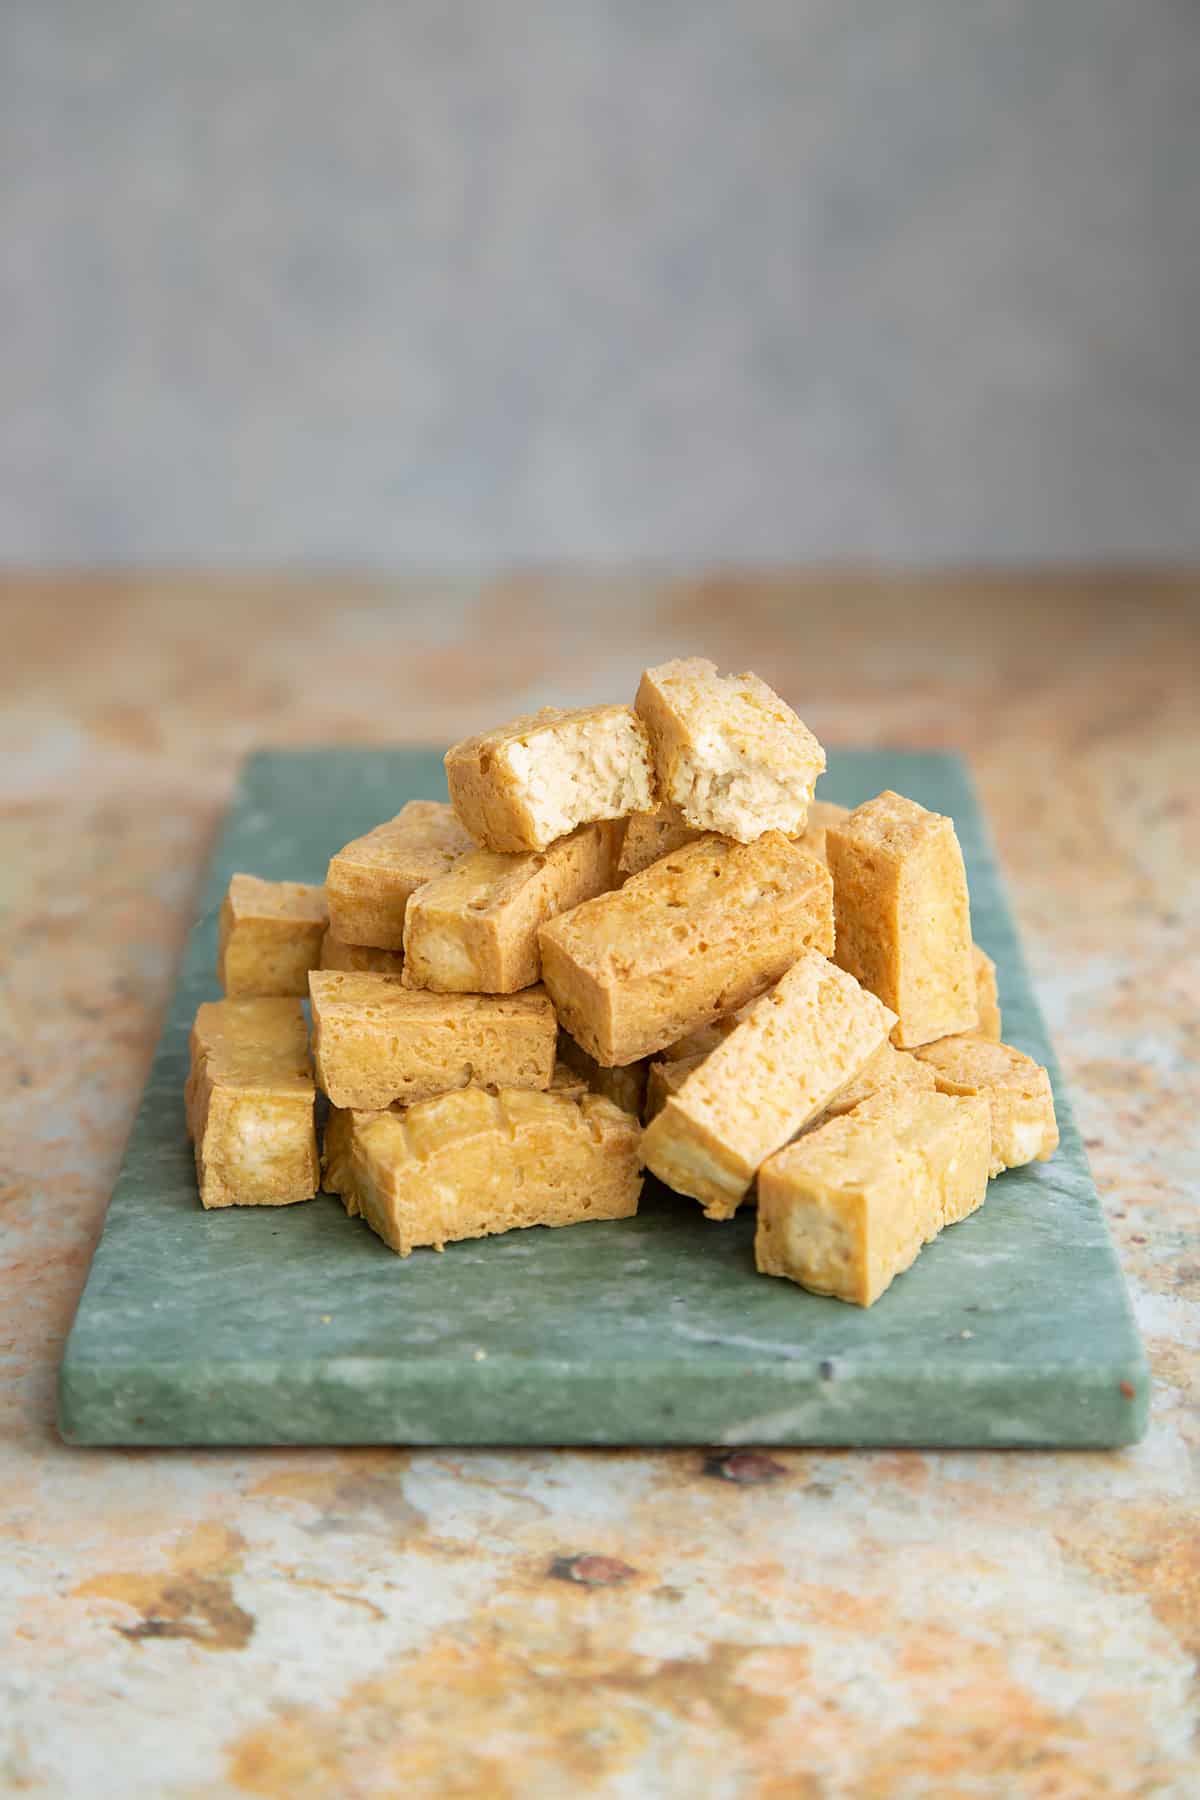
{"type": "Point", "coordinates": [352, 1623]}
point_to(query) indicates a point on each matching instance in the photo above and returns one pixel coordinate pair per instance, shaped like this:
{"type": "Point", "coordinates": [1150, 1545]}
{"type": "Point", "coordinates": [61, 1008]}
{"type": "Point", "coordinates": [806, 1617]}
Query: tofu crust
{"type": "Point", "coordinates": [649, 835]}
{"type": "Point", "coordinates": [727, 751]}
{"type": "Point", "coordinates": [527, 783]}
{"type": "Point", "coordinates": [371, 880]}
{"type": "Point", "coordinates": [903, 915]}
{"type": "Point", "coordinates": [683, 943]}
{"type": "Point", "coordinates": [474, 930]}
{"type": "Point", "coordinates": [375, 1041]}
{"type": "Point", "coordinates": [269, 937]}
{"type": "Point", "coordinates": [249, 1101]}
{"type": "Point", "coordinates": [625, 1087]}
{"type": "Point", "coordinates": [848, 1207]}
{"type": "Point", "coordinates": [987, 995]}
{"type": "Point", "coordinates": [1018, 1092]}
{"type": "Point", "coordinates": [793, 1050]}
{"type": "Point", "coordinates": [470, 1164]}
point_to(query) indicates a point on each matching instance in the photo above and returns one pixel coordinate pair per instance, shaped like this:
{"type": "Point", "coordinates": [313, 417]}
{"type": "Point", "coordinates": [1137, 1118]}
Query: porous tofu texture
{"type": "Point", "coordinates": [903, 915]}
{"type": "Point", "coordinates": [727, 751]}
{"type": "Point", "coordinates": [539, 777]}
{"type": "Point", "coordinates": [666, 1078]}
{"type": "Point", "coordinates": [375, 1042]}
{"type": "Point", "coordinates": [474, 929]}
{"type": "Point", "coordinates": [987, 996]}
{"type": "Point", "coordinates": [471, 1163]}
{"type": "Point", "coordinates": [847, 1207]}
{"type": "Point", "coordinates": [651, 835]}
{"type": "Point", "coordinates": [793, 1050]}
{"type": "Point", "coordinates": [358, 958]}
{"type": "Point", "coordinates": [1018, 1092]}
{"type": "Point", "coordinates": [249, 1101]}
{"type": "Point", "coordinates": [371, 880]}
{"type": "Point", "coordinates": [270, 935]}
{"type": "Point", "coordinates": [684, 942]}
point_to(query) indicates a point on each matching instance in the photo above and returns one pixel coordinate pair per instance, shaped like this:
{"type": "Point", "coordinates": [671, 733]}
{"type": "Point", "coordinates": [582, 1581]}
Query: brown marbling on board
{"type": "Point", "coordinates": [301, 1623]}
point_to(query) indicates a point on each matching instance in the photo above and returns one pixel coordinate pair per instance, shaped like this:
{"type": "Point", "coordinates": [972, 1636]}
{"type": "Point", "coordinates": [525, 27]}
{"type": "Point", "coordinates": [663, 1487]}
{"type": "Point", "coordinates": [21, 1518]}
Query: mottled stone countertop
{"type": "Point", "coordinates": [352, 1623]}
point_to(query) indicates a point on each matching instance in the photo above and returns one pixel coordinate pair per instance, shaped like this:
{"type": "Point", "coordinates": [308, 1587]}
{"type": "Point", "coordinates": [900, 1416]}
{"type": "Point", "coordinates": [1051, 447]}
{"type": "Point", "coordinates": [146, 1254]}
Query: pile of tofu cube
{"type": "Point", "coordinates": [632, 940]}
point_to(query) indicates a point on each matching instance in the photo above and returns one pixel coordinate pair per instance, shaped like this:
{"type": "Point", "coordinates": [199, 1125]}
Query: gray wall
{"type": "Point", "coordinates": [602, 278]}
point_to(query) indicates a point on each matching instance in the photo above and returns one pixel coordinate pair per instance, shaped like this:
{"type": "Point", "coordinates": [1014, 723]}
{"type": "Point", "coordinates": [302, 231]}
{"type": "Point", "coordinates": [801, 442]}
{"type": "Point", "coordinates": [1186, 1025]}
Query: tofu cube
{"type": "Point", "coordinates": [371, 880]}
{"type": "Point", "coordinates": [359, 958]}
{"type": "Point", "coordinates": [470, 1163]}
{"type": "Point", "coordinates": [987, 995]}
{"type": "Point", "coordinates": [846, 1208]}
{"type": "Point", "coordinates": [649, 835]}
{"type": "Point", "coordinates": [1024, 1128]}
{"type": "Point", "coordinates": [727, 751]}
{"type": "Point", "coordinates": [375, 1042]}
{"type": "Point", "coordinates": [537, 778]}
{"type": "Point", "coordinates": [250, 1103]}
{"type": "Point", "coordinates": [779, 1067]}
{"type": "Point", "coordinates": [270, 936]}
{"type": "Point", "coordinates": [684, 942]}
{"type": "Point", "coordinates": [474, 930]}
{"type": "Point", "coordinates": [903, 916]}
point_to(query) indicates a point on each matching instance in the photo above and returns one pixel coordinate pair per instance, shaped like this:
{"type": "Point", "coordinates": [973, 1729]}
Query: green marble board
{"type": "Point", "coordinates": [297, 1325]}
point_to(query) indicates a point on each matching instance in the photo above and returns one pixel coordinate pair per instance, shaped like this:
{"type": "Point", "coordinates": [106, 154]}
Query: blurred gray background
{"type": "Point", "coordinates": [779, 280]}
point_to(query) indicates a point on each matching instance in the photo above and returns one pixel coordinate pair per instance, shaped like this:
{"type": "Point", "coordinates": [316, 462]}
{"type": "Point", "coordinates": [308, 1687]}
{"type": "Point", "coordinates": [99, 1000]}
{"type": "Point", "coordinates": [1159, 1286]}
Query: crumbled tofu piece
{"type": "Point", "coordinates": [375, 1041]}
{"type": "Point", "coordinates": [846, 1208]}
{"type": "Point", "coordinates": [269, 937]}
{"type": "Point", "coordinates": [1024, 1128]}
{"type": "Point", "coordinates": [903, 916]}
{"type": "Point", "coordinates": [666, 1078]}
{"type": "Point", "coordinates": [625, 1087]}
{"type": "Point", "coordinates": [821, 815]}
{"type": "Point", "coordinates": [689, 939]}
{"type": "Point", "coordinates": [474, 929]}
{"type": "Point", "coordinates": [371, 880]}
{"type": "Point", "coordinates": [888, 1068]}
{"type": "Point", "coordinates": [358, 959]}
{"type": "Point", "coordinates": [539, 777]}
{"type": "Point", "coordinates": [780, 1066]}
{"type": "Point", "coordinates": [727, 751]}
{"type": "Point", "coordinates": [470, 1163]}
{"type": "Point", "coordinates": [649, 835]}
{"type": "Point", "coordinates": [987, 995]}
{"type": "Point", "coordinates": [250, 1102]}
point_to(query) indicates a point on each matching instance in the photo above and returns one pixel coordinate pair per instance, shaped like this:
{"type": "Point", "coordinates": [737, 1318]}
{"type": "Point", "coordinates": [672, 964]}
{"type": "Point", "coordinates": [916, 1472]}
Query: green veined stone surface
{"type": "Point", "coordinates": [296, 1325]}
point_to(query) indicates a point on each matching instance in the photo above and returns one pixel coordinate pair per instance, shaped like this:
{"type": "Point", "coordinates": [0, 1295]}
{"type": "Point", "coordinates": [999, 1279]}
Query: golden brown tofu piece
{"type": "Point", "coordinates": [987, 995]}
{"type": "Point", "coordinates": [361, 959]}
{"type": "Point", "coordinates": [649, 835]}
{"type": "Point", "coordinates": [625, 1087]}
{"type": "Point", "coordinates": [470, 1163]}
{"type": "Point", "coordinates": [689, 939]}
{"type": "Point", "coordinates": [821, 815]}
{"type": "Point", "coordinates": [539, 777]}
{"type": "Point", "coordinates": [474, 929]}
{"type": "Point", "coordinates": [846, 1208]}
{"type": "Point", "coordinates": [1024, 1128]}
{"type": "Point", "coordinates": [250, 1102]}
{"type": "Point", "coordinates": [727, 751]}
{"type": "Point", "coordinates": [375, 1041]}
{"type": "Point", "coordinates": [269, 937]}
{"type": "Point", "coordinates": [781, 1065]}
{"type": "Point", "coordinates": [888, 1068]}
{"type": "Point", "coordinates": [371, 881]}
{"type": "Point", "coordinates": [903, 917]}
